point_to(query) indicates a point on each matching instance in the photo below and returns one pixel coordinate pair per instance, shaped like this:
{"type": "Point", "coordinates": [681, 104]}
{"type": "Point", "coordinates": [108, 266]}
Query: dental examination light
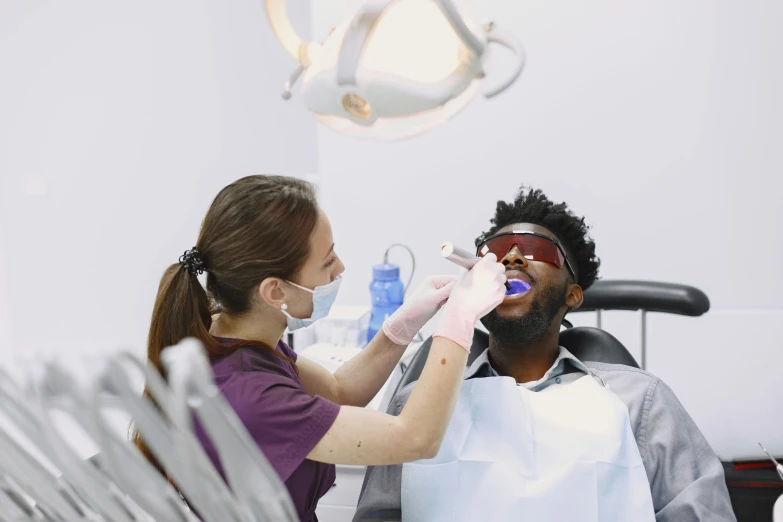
{"type": "Point", "coordinates": [396, 68]}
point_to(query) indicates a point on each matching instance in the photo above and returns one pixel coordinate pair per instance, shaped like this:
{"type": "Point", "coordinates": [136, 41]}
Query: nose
{"type": "Point", "coordinates": [514, 258]}
{"type": "Point", "coordinates": [339, 268]}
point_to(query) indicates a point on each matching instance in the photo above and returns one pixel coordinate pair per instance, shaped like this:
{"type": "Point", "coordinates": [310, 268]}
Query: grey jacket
{"type": "Point", "coordinates": [686, 477]}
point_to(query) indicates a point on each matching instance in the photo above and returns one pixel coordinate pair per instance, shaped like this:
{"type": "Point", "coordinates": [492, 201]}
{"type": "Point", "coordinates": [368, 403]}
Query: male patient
{"type": "Point", "coordinates": [538, 434]}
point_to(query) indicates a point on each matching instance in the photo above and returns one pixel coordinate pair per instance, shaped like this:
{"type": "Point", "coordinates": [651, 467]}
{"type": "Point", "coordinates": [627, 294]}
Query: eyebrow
{"type": "Point", "coordinates": [329, 252]}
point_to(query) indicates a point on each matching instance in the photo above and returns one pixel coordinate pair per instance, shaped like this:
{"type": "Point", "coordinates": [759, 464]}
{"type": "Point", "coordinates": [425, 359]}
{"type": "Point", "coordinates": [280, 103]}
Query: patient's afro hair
{"type": "Point", "coordinates": [532, 206]}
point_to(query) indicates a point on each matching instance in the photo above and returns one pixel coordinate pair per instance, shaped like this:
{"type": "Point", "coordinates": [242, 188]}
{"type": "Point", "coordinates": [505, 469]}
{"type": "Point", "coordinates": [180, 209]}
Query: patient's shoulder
{"type": "Point", "coordinates": [633, 386]}
{"type": "Point", "coordinates": [628, 371]}
{"type": "Point", "coordinates": [625, 377]}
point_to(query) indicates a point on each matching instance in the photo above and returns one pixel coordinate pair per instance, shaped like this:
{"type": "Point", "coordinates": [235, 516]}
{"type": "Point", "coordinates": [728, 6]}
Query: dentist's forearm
{"type": "Point", "coordinates": [361, 378]}
{"type": "Point", "coordinates": [428, 411]}
{"type": "Point", "coordinates": [365, 437]}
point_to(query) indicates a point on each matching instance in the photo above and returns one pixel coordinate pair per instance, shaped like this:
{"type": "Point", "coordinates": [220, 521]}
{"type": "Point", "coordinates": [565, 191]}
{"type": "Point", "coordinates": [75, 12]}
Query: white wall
{"type": "Point", "coordinates": [658, 121]}
{"type": "Point", "coordinates": [5, 321]}
{"type": "Point", "coordinates": [120, 123]}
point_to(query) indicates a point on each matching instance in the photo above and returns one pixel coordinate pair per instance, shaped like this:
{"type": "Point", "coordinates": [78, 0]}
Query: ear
{"type": "Point", "coordinates": [574, 297]}
{"type": "Point", "coordinates": [270, 292]}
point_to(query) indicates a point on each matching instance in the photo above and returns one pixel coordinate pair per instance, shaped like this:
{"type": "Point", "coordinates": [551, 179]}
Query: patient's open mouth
{"type": "Point", "coordinates": [518, 286]}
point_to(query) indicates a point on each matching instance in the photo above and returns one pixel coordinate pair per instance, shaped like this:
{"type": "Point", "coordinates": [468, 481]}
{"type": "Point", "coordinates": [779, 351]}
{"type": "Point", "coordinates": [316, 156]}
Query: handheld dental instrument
{"type": "Point", "coordinates": [467, 260]}
{"type": "Point", "coordinates": [778, 465]}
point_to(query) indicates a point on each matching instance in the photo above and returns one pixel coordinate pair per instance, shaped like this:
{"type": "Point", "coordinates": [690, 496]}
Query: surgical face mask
{"type": "Point", "coordinates": [323, 299]}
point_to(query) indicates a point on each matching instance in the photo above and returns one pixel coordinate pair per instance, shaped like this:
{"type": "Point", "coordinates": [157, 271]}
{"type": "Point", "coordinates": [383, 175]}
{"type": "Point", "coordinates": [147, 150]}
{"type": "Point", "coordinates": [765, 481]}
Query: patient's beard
{"type": "Point", "coordinates": [534, 323]}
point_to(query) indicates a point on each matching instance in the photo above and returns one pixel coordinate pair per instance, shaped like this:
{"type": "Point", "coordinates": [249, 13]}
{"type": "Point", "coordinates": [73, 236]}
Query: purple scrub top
{"type": "Point", "coordinates": [285, 421]}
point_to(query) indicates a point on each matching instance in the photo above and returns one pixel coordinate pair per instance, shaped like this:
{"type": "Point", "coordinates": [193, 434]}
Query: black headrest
{"type": "Point", "coordinates": [652, 296]}
{"type": "Point", "coordinates": [596, 345]}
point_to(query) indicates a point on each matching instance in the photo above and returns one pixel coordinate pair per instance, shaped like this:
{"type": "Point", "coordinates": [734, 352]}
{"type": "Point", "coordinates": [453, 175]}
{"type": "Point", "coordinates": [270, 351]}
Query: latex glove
{"type": "Point", "coordinates": [476, 294]}
{"type": "Point", "coordinates": [403, 325]}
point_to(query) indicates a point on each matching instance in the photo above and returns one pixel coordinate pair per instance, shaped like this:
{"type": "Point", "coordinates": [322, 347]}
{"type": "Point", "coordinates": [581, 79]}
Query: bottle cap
{"type": "Point", "coordinates": [386, 272]}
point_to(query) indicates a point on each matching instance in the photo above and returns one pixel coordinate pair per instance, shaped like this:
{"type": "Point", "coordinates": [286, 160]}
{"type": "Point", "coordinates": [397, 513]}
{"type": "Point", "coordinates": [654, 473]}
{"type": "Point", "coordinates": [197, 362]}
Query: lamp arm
{"type": "Point", "coordinates": [277, 13]}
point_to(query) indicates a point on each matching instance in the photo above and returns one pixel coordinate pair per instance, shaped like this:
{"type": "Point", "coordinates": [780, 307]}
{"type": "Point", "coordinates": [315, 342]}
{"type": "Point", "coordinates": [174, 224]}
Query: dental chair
{"type": "Point", "coordinates": [754, 486]}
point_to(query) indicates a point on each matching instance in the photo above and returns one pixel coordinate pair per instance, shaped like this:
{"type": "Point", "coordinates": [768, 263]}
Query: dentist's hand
{"type": "Point", "coordinates": [403, 325]}
{"type": "Point", "coordinates": [476, 294]}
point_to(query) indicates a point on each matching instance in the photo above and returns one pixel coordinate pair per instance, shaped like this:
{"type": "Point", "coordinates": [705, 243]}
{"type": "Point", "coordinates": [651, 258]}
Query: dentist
{"type": "Point", "coordinates": [270, 260]}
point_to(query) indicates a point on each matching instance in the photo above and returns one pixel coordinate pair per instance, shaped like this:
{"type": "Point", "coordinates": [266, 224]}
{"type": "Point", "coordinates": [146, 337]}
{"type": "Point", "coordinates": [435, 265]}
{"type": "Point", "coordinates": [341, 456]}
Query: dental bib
{"type": "Point", "coordinates": [510, 454]}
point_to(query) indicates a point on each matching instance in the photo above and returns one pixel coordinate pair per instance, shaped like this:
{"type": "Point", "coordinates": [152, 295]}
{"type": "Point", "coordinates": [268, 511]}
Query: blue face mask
{"type": "Point", "coordinates": [323, 299]}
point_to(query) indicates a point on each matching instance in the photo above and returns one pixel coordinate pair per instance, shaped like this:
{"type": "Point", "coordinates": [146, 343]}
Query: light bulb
{"type": "Point", "coordinates": [414, 40]}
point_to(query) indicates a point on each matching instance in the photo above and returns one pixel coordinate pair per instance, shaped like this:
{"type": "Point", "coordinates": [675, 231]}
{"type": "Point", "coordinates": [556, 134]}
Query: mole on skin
{"type": "Point", "coordinates": [443, 361]}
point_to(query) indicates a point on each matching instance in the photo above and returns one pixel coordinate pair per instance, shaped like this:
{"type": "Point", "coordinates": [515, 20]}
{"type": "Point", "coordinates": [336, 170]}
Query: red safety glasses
{"type": "Point", "coordinates": [533, 246]}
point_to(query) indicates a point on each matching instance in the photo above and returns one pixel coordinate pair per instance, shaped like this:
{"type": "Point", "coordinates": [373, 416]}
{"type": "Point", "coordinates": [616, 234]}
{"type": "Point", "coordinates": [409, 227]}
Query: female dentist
{"type": "Point", "coordinates": [271, 263]}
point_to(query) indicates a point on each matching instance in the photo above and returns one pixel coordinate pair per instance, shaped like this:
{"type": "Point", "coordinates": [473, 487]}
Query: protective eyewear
{"type": "Point", "coordinates": [533, 246]}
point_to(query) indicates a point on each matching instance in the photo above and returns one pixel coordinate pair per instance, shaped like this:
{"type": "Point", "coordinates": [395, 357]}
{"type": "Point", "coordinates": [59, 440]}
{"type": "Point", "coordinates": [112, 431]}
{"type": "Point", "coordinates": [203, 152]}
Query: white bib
{"type": "Point", "coordinates": [510, 454]}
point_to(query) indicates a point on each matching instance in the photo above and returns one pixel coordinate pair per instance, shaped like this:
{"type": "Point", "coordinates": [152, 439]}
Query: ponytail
{"type": "Point", "coordinates": [181, 310]}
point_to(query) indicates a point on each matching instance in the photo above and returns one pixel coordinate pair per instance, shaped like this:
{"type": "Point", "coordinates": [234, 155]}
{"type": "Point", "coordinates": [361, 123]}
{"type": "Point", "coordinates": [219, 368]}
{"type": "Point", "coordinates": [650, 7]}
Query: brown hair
{"type": "Point", "coordinates": [257, 227]}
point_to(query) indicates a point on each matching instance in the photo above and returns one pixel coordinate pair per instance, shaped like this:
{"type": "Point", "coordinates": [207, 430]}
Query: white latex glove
{"type": "Point", "coordinates": [403, 325]}
{"type": "Point", "coordinates": [476, 294]}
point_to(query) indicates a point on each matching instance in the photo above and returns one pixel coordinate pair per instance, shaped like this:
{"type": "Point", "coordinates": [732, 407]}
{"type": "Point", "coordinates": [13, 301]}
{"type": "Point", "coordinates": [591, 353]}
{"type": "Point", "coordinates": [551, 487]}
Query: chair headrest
{"type": "Point", "coordinates": [652, 296]}
{"type": "Point", "coordinates": [593, 344]}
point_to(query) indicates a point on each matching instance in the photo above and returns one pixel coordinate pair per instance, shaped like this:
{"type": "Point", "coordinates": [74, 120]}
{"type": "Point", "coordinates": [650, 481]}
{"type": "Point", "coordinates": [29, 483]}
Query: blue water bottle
{"type": "Point", "coordinates": [387, 292]}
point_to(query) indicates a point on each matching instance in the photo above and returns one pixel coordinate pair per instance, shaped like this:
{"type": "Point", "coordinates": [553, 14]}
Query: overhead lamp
{"type": "Point", "coordinates": [395, 69]}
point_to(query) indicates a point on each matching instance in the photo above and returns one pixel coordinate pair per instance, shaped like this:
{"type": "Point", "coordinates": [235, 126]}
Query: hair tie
{"type": "Point", "coordinates": [192, 262]}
